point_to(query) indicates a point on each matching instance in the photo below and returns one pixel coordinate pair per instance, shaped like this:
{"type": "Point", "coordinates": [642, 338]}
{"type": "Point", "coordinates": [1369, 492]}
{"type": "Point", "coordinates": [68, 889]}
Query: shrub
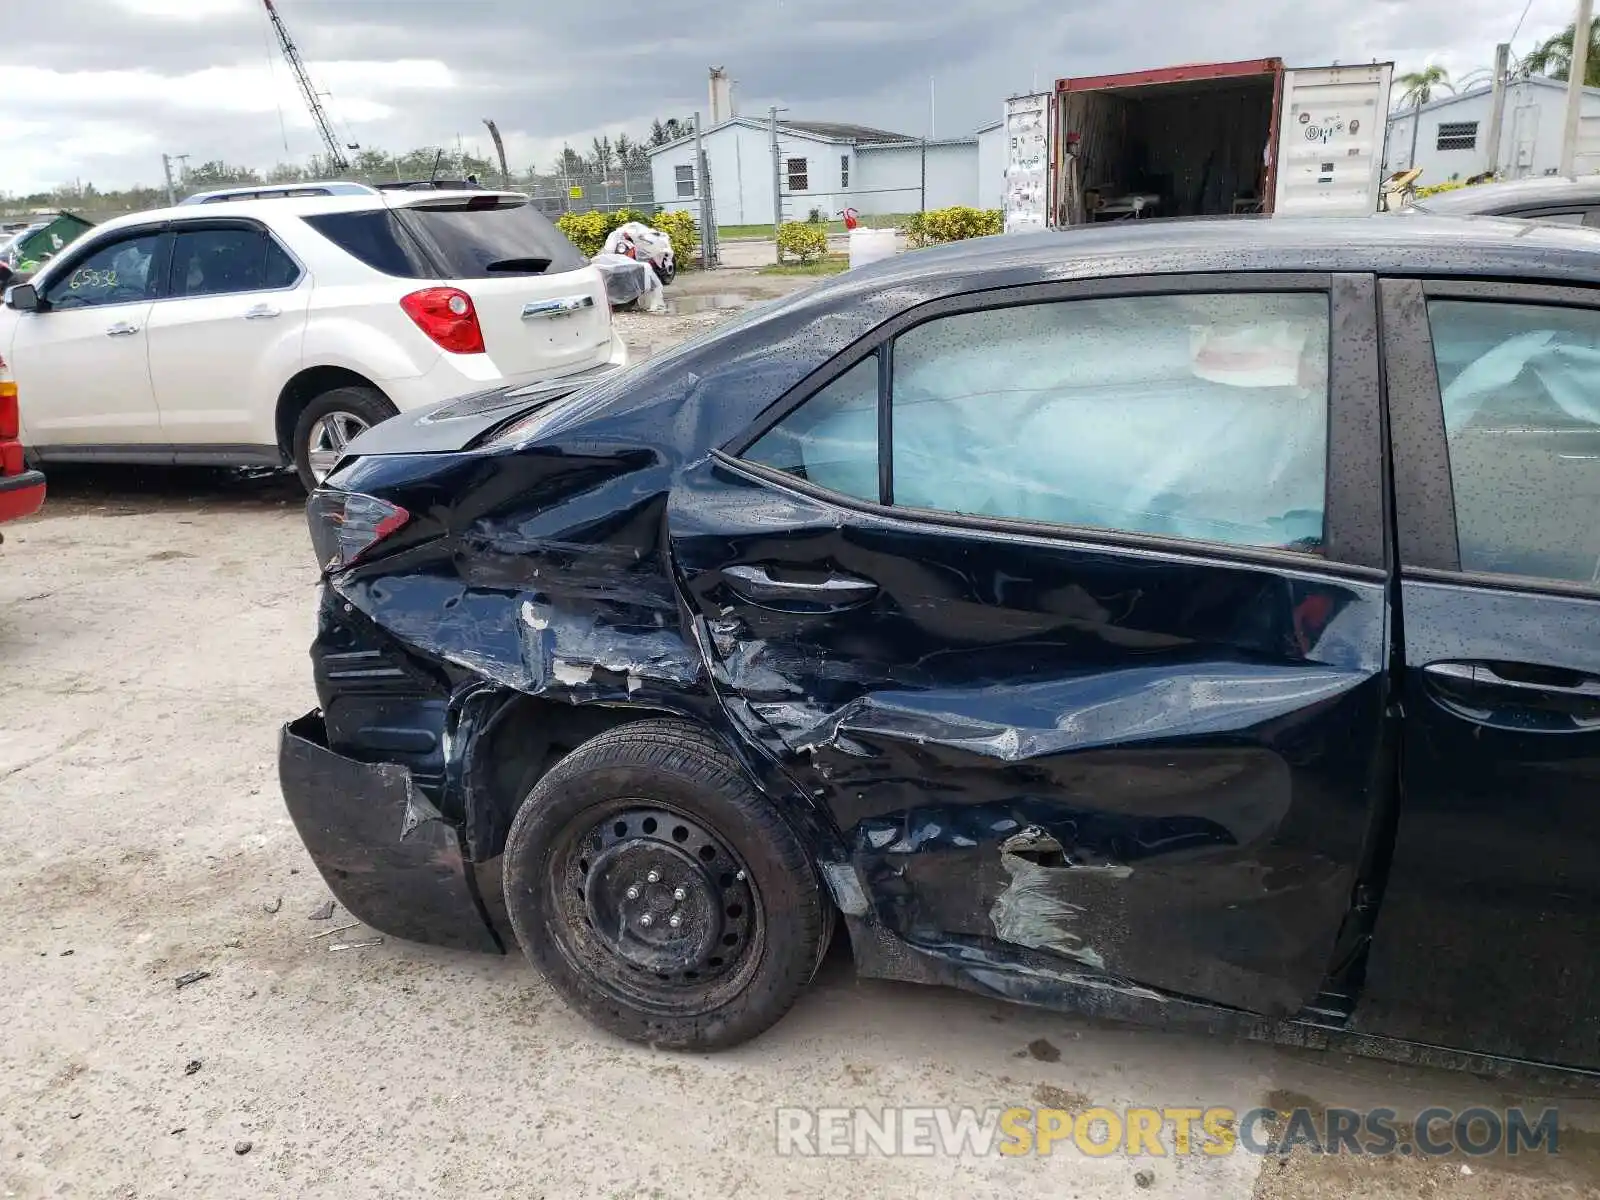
{"type": "Point", "coordinates": [586, 230]}
{"type": "Point", "coordinates": [685, 235]}
{"type": "Point", "coordinates": [816, 217]}
{"type": "Point", "coordinates": [953, 225]}
{"type": "Point", "coordinates": [802, 240]}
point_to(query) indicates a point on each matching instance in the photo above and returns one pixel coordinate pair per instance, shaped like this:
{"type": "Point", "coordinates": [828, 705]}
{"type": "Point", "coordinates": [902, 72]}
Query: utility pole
{"type": "Point", "coordinates": [1502, 64]}
{"type": "Point", "coordinates": [708, 211]}
{"type": "Point", "coordinates": [1575, 78]}
{"type": "Point", "coordinates": [166, 168]}
{"type": "Point", "coordinates": [777, 182]}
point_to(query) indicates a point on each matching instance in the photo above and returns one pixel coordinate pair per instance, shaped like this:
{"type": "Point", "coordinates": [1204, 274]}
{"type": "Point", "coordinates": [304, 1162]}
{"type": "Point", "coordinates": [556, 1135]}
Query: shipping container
{"type": "Point", "coordinates": [1218, 139]}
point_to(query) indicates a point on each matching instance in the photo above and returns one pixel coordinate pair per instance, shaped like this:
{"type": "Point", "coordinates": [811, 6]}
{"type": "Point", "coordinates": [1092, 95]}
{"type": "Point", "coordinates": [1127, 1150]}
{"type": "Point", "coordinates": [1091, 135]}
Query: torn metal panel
{"type": "Point", "coordinates": [523, 640]}
{"type": "Point", "coordinates": [1017, 722]}
{"type": "Point", "coordinates": [1031, 911]}
{"type": "Point", "coordinates": [385, 852]}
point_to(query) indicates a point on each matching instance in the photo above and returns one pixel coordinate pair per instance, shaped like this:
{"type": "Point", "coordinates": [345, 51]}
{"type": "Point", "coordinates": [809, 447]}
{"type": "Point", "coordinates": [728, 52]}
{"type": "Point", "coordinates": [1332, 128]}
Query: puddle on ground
{"type": "Point", "coordinates": [716, 302]}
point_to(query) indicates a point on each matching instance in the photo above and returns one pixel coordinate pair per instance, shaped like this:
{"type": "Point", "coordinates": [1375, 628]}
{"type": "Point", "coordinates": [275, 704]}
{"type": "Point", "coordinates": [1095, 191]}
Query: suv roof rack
{"type": "Point", "coordinates": [286, 191]}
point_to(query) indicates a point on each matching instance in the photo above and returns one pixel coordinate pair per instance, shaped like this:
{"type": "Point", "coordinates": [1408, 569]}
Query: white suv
{"type": "Point", "coordinates": [269, 326]}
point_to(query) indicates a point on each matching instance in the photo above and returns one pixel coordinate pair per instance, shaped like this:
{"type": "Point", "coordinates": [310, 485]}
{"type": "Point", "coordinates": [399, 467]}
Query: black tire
{"type": "Point", "coordinates": [666, 274]}
{"type": "Point", "coordinates": [364, 405]}
{"type": "Point", "coordinates": [625, 779]}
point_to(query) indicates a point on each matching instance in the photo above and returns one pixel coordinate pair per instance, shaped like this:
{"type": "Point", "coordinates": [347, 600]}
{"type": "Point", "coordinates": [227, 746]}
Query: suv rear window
{"type": "Point", "coordinates": [481, 238]}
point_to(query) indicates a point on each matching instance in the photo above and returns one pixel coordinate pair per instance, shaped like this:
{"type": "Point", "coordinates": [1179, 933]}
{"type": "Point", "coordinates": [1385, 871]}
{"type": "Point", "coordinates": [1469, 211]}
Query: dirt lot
{"type": "Point", "coordinates": [153, 629]}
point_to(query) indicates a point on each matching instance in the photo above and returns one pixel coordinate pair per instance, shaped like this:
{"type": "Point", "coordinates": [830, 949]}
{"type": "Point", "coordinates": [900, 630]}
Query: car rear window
{"type": "Point", "coordinates": [375, 237]}
{"type": "Point", "coordinates": [483, 237]}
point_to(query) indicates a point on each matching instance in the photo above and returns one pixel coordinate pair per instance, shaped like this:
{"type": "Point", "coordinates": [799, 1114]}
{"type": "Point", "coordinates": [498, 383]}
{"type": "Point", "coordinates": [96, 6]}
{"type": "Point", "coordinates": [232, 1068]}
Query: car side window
{"type": "Point", "coordinates": [220, 261]}
{"type": "Point", "coordinates": [116, 273]}
{"type": "Point", "coordinates": [832, 439]}
{"type": "Point", "coordinates": [1557, 218]}
{"type": "Point", "coordinates": [1521, 391]}
{"type": "Point", "coordinates": [1195, 416]}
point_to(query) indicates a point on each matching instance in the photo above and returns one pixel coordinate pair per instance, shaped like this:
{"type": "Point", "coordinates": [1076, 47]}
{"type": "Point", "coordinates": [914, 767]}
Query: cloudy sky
{"type": "Point", "coordinates": [98, 89]}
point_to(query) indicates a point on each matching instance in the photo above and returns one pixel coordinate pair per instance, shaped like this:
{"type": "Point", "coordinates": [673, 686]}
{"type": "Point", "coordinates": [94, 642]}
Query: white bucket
{"type": "Point", "coordinates": [870, 246]}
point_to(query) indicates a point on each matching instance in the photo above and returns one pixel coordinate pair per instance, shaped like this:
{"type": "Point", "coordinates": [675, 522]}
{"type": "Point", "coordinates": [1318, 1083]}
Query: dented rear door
{"type": "Point", "coordinates": [997, 587]}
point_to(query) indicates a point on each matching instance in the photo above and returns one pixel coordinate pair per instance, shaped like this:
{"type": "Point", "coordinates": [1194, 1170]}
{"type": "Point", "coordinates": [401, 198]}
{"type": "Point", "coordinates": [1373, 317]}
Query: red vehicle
{"type": "Point", "coordinates": [21, 490]}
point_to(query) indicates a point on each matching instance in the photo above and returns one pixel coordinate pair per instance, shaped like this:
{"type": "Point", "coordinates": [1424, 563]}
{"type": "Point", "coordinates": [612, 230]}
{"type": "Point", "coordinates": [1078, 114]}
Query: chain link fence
{"type": "Point", "coordinates": [582, 191]}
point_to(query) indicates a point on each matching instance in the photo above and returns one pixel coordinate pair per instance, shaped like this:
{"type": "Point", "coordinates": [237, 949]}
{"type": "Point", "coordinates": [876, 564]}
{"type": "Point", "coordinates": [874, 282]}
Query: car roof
{"type": "Point", "coordinates": [1513, 194]}
{"type": "Point", "coordinates": [299, 206]}
{"type": "Point", "coordinates": [1416, 243]}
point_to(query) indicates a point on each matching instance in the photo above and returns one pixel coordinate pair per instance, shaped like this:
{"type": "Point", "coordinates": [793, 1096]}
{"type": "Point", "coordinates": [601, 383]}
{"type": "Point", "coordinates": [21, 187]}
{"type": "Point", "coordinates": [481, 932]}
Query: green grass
{"type": "Point", "coordinates": [830, 264]}
{"type": "Point", "coordinates": [872, 221]}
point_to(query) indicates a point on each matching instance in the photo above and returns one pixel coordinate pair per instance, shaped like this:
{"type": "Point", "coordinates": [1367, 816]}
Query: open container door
{"type": "Point", "coordinates": [1331, 124]}
{"type": "Point", "coordinates": [1187, 141]}
{"type": "Point", "coordinates": [1028, 142]}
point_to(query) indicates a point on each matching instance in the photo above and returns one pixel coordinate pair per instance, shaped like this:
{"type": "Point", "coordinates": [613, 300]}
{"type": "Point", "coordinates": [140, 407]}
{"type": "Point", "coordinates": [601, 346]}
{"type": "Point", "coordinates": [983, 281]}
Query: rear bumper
{"type": "Point", "coordinates": [21, 495]}
{"type": "Point", "coordinates": [383, 849]}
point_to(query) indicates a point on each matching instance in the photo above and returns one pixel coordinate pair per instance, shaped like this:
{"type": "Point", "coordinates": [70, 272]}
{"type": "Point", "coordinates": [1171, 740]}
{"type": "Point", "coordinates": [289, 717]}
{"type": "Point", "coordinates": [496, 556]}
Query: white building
{"type": "Point", "coordinates": [1451, 139]}
{"type": "Point", "coordinates": [823, 165]}
{"type": "Point", "coordinates": [992, 165]}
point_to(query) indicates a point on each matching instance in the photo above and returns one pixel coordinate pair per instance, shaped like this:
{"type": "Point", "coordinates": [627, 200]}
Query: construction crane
{"type": "Point", "coordinates": [319, 114]}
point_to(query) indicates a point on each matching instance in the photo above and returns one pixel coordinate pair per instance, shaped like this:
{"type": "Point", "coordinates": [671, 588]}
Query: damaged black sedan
{"type": "Point", "coordinates": [1192, 622]}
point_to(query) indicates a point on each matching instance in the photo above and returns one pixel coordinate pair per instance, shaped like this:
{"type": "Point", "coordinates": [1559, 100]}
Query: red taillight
{"type": "Point", "coordinates": [446, 315]}
{"type": "Point", "coordinates": [10, 430]}
{"type": "Point", "coordinates": [346, 525]}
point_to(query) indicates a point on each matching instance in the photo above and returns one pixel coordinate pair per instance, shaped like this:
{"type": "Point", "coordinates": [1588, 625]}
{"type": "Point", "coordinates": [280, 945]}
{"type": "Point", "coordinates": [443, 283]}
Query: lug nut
{"type": "Point", "coordinates": [647, 919]}
{"type": "Point", "coordinates": [740, 876]}
{"type": "Point", "coordinates": [653, 877]}
{"type": "Point", "coordinates": [633, 893]}
{"type": "Point", "coordinates": [679, 894]}
{"type": "Point", "coordinates": [675, 920]}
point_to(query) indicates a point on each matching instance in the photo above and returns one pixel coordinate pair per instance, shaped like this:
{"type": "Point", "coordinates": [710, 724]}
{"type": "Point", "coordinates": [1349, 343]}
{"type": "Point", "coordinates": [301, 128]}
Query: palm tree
{"type": "Point", "coordinates": [1417, 87]}
{"type": "Point", "coordinates": [1553, 57]}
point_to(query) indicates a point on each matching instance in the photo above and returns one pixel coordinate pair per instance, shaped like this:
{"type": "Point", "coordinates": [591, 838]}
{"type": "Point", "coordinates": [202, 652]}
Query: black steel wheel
{"type": "Point", "coordinates": [661, 894]}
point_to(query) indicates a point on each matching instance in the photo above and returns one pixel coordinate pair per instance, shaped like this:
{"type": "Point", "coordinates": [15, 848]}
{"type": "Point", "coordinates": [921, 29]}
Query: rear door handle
{"type": "Point", "coordinates": [563, 307]}
{"type": "Point", "coordinates": [1517, 695]}
{"type": "Point", "coordinates": [121, 329]}
{"type": "Point", "coordinates": [755, 583]}
{"type": "Point", "coordinates": [262, 312]}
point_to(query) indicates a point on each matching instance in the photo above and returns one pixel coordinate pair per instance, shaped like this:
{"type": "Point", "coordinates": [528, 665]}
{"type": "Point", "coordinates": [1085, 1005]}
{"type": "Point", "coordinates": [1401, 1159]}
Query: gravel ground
{"type": "Point", "coordinates": [153, 628]}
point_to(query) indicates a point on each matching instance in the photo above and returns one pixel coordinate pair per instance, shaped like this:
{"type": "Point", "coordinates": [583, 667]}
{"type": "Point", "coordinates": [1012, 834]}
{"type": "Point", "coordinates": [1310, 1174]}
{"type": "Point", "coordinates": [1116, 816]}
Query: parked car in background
{"type": "Point", "coordinates": [1553, 198]}
{"type": "Point", "coordinates": [21, 488]}
{"type": "Point", "coordinates": [1188, 621]}
{"type": "Point", "coordinates": [269, 326]}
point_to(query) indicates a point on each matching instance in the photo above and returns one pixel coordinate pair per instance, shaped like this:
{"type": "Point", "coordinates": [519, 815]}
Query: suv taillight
{"type": "Point", "coordinates": [10, 430]}
{"type": "Point", "coordinates": [446, 315]}
{"type": "Point", "coordinates": [345, 525]}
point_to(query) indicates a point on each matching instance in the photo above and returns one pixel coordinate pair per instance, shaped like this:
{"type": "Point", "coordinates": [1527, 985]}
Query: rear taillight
{"type": "Point", "coordinates": [10, 422]}
{"type": "Point", "coordinates": [10, 430]}
{"type": "Point", "coordinates": [346, 525]}
{"type": "Point", "coordinates": [446, 315]}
